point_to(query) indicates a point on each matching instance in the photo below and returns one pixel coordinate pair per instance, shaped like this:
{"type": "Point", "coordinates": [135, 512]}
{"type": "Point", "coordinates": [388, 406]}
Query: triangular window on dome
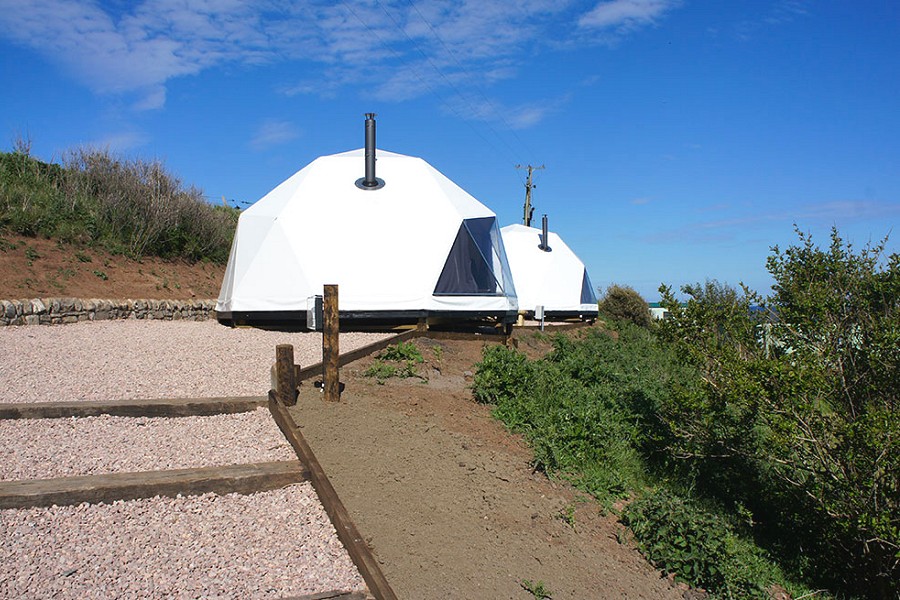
{"type": "Point", "coordinates": [476, 264]}
{"type": "Point", "coordinates": [587, 290]}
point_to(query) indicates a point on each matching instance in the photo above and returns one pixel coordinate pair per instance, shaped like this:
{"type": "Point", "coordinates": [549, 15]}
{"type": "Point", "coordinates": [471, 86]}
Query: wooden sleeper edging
{"type": "Point", "coordinates": [243, 479]}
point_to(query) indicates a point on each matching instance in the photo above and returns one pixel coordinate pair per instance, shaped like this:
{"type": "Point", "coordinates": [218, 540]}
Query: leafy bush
{"type": "Point", "coordinates": [799, 419]}
{"type": "Point", "coordinates": [623, 303]}
{"type": "Point", "coordinates": [698, 546]}
{"type": "Point", "coordinates": [587, 408]}
{"type": "Point", "coordinates": [502, 375]}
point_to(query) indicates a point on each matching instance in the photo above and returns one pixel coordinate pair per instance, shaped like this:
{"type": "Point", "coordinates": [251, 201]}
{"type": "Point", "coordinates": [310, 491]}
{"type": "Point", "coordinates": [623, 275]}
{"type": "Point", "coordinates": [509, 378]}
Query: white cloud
{"type": "Point", "coordinates": [273, 133]}
{"type": "Point", "coordinates": [137, 52]}
{"type": "Point", "coordinates": [518, 116]}
{"type": "Point", "coordinates": [625, 15]}
{"type": "Point", "coordinates": [390, 49]}
{"type": "Point", "coordinates": [152, 98]}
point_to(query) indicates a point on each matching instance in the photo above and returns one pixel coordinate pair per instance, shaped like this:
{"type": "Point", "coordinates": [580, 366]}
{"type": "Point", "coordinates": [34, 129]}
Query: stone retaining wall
{"type": "Point", "coordinates": [55, 311]}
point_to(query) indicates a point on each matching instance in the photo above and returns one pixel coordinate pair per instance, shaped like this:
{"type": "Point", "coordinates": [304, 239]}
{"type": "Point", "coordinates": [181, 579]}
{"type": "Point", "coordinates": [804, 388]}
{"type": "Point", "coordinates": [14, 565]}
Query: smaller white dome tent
{"type": "Point", "coordinates": [417, 247]}
{"type": "Point", "coordinates": [548, 275]}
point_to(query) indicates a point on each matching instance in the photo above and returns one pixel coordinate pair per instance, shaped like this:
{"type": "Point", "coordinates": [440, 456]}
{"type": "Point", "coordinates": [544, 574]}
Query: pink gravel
{"type": "Point", "coordinates": [266, 545]}
{"type": "Point", "coordinates": [272, 544]}
{"type": "Point", "coordinates": [110, 360]}
{"type": "Point", "coordinates": [46, 448]}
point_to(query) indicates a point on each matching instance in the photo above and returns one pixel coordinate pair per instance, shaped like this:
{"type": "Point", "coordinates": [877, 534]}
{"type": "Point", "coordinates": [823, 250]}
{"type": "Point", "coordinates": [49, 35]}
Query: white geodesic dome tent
{"type": "Point", "coordinates": [554, 278]}
{"type": "Point", "coordinates": [419, 246]}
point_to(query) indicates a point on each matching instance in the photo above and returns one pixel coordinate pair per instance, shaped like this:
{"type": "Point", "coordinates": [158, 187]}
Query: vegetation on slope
{"type": "Point", "coordinates": [624, 303]}
{"type": "Point", "coordinates": [800, 417]}
{"type": "Point", "coordinates": [751, 442]}
{"type": "Point", "coordinates": [127, 206]}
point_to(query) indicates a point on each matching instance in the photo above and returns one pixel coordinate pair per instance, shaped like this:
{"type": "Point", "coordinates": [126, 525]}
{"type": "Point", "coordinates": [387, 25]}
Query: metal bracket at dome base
{"type": "Point", "coordinates": [378, 184]}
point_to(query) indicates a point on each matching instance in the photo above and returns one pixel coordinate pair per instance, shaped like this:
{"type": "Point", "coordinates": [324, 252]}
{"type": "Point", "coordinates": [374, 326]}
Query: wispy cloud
{"type": "Point", "coordinates": [121, 141]}
{"type": "Point", "coordinates": [780, 13]}
{"type": "Point", "coordinates": [837, 213]}
{"type": "Point", "coordinates": [785, 11]}
{"type": "Point", "coordinates": [391, 49]}
{"type": "Point", "coordinates": [625, 16]}
{"type": "Point", "coordinates": [273, 133]}
{"type": "Point", "coordinates": [844, 210]}
{"type": "Point", "coordinates": [135, 52]}
{"type": "Point", "coordinates": [515, 116]}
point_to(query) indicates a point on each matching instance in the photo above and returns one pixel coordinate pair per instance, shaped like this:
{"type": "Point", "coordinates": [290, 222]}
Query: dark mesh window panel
{"type": "Point", "coordinates": [587, 290]}
{"type": "Point", "coordinates": [466, 271]}
{"type": "Point", "coordinates": [480, 230]}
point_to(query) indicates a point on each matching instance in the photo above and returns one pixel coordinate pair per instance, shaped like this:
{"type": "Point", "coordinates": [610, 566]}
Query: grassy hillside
{"type": "Point", "coordinates": [128, 207]}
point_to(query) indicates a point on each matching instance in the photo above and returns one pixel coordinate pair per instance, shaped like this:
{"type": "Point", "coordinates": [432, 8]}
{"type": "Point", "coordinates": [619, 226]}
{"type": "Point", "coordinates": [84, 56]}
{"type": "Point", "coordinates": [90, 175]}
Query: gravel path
{"type": "Point", "coordinates": [267, 545]}
{"type": "Point", "coordinates": [45, 448]}
{"type": "Point", "coordinates": [110, 360]}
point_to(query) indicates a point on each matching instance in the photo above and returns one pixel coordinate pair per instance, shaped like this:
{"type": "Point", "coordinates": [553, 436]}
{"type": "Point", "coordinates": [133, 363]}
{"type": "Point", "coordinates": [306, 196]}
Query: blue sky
{"type": "Point", "coordinates": [681, 139]}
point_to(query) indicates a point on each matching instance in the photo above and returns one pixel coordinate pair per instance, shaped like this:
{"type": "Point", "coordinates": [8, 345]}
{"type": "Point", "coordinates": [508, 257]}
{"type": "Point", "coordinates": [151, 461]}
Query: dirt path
{"type": "Point", "coordinates": [446, 496]}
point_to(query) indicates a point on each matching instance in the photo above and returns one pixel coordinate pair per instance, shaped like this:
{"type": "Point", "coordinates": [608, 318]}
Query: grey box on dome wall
{"type": "Point", "coordinates": [314, 313]}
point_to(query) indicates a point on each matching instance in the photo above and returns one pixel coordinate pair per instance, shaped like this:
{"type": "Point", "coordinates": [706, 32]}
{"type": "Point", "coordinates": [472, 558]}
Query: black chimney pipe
{"type": "Point", "coordinates": [545, 242]}
{"type": "Point", "coordinates": [370, 182]}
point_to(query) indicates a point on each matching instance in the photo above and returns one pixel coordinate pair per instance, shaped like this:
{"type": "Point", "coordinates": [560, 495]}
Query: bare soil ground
{"type": "Point", "coordinates": [447, 498]}
{"type": "Point", "coordinates": [41, 268]}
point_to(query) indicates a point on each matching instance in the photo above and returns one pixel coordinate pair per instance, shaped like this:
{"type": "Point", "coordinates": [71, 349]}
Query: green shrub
{"type": "Point", "coordinates": [698, 546]}
{"type": "Point", "coordinates": [587, 408]}
{"type": "Point", "coordinates": [501, 375]}
{"type": "Point", "coordinates": [800, 417]}
{"type": "Point", "coordinates": [623, 303]}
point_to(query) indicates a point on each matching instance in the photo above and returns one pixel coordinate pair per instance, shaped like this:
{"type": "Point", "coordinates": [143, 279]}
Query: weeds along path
{"type": "Point", "coordinates": [447, 499]}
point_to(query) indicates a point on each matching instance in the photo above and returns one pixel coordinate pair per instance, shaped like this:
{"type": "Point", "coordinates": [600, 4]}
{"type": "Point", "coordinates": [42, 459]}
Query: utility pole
{"type": "Point", "coordinates": [529, 210]}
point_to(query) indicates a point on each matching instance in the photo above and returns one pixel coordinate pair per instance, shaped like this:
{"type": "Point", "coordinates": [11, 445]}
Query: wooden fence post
{"type": "Point", "coordinates": [330, 344]}
{"type": "Point", "coordinates": [285, 375]}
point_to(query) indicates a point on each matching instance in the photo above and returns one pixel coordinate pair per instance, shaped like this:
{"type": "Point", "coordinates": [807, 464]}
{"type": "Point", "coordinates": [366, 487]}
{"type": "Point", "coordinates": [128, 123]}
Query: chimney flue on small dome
{"type": "Point", "coordinates": [370, 182]}
{"type": "Point", "coordinates": [545, 243]}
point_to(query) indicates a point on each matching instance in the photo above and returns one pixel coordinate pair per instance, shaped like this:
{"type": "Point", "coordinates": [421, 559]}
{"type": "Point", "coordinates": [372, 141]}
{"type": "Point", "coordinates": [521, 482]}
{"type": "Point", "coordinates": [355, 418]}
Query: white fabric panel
{"type": "Point", "coordinates": [224, 301]}
{"type": "Point", "coordinates": [272, 279]}
{"type": "Point", "coordinates": [385, 248]}
{"type": "Point", "coordinates": [549, 279]}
